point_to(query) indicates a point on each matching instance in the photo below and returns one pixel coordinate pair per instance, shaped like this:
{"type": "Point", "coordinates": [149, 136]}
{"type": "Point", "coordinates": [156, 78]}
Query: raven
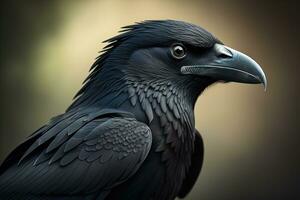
{"type": "Point", "coordinates": [130, 132]}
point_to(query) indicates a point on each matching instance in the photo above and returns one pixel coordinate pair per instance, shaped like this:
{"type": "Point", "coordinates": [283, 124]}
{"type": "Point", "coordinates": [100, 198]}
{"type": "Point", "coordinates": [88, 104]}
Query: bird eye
{"type": "Point", "coordinates": [178, 51]}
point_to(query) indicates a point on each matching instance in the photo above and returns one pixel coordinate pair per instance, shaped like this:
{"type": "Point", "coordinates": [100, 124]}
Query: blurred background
{"type": "Point", "coordinates": [251, 136]}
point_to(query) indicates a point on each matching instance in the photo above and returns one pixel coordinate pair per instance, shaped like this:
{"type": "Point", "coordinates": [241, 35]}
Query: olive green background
{"type": "Point", "coordinates": [251, 136]}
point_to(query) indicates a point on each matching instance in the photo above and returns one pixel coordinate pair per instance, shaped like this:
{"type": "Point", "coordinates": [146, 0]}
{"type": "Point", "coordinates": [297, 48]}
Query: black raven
{"type": "Point", "coordinates": [130, 132]}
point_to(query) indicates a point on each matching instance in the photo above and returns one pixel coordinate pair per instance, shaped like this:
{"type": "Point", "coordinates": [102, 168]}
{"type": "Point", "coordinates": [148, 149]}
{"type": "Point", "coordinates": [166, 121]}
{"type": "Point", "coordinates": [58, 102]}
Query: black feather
{"type": "Point", "coordinates": [102, 147]}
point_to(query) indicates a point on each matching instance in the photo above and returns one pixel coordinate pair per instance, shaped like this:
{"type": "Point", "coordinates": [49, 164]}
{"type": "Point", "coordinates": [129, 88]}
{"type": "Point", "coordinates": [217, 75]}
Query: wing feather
{"type": "Point", "coordinates": [195, 168]}
{"type": "Point", "coordinates": [96, 153]}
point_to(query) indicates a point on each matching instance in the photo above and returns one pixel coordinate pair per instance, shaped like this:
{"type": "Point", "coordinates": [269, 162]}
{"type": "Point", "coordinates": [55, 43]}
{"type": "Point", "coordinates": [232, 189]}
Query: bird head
{"type": "Point", "coordinates": [173, 53]}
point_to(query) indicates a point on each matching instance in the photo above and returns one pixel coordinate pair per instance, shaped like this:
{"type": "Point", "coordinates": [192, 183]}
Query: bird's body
{"type": "Point", "coordinates": [164, 169]}
{"type": "Point", "coordinates": [130, 133]}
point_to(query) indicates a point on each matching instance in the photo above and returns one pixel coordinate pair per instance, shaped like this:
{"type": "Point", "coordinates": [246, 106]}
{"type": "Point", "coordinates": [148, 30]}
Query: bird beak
{"type": "Point", "coordinates": [228, 65]}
